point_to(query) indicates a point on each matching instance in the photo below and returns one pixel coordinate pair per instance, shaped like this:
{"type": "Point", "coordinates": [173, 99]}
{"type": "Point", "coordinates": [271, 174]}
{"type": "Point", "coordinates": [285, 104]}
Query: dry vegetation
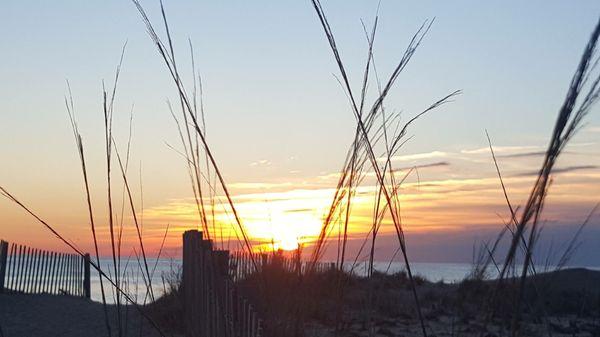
{"type": "Point", "coordinates": [322, 303]}
{"type": "Point", "coordinates": [559, 303]}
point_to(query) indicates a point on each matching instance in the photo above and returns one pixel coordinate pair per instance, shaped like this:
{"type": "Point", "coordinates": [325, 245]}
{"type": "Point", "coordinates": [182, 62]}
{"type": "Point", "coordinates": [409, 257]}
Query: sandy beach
{"type": "Point", "coordinates": [300, 168]}
{"type": "Point", "coordinates": [449, 309]}
{"type": "Point", "coordinates": [23, 315]}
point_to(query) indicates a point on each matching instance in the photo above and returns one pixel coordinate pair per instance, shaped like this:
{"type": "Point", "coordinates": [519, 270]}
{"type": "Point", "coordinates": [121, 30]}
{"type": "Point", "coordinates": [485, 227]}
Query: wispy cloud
{"type": "Point", "coordinates": [258, 185]}
{"type": "Point", "coordinates": [560, 170]}
{"type": "Point", "coordinates": [523, 155]}
{"type": "Point", "coordinates": [417, 156]}
{"type": "Point", "coordinates": [430, 165]}
{"type": "Point", "coordinates": [532, 154]}
{"type": "Point", "coordinates": [503, 149]}
{"type": "Point", "coordinates": [328, 176]}
{"type": "Point", "coordinates": [262, 162]}
{"type": "Point", "coordinates": [594, 129]}
{"type": "Point", "coordinates": [582, 144]}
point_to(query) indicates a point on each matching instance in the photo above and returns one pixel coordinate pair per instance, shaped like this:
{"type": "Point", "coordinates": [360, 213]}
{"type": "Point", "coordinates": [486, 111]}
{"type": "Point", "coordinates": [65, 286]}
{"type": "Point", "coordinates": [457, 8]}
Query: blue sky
{"type": "Point", "coordinates": [270, 94]}
{"type": "Point", "coordinates": [268, 70]}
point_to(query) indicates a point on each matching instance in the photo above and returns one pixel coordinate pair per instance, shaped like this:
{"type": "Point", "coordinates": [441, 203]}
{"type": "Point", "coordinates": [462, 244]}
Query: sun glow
{"type": "Point", "coordinates": [282, 220]}
{"type": "Point", "coordinates": [286, 218]}
{"type": "Point", "coordinates": [282, 228]}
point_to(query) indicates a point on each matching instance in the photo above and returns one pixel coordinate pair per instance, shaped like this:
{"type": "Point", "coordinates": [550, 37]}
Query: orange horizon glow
{"type": "Point", "coordinates": [284, 216]}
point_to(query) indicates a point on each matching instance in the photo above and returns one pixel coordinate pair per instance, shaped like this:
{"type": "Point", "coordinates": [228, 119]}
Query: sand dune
{"type": "Point", "coordinates": [50, 315]}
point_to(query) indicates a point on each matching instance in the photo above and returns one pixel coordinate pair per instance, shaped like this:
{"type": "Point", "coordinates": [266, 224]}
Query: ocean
{"type": "Point", "coordinates": [164, 270]}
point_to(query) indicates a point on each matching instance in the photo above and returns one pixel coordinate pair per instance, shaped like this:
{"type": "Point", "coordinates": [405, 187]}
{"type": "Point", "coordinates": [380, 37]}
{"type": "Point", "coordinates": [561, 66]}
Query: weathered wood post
{"type": "Point", "coordinates": [191, 283]}
{"type": "Point", "coordinates": [221, 258]}
{"type": "Point", "coordinates": [3, 261]}
{"type": "Point", "coordinates": [207, 292]}
{"type": "Point", "coordinates": [86, 277]}
{"type": "Point", "coordinates": [222, 261]}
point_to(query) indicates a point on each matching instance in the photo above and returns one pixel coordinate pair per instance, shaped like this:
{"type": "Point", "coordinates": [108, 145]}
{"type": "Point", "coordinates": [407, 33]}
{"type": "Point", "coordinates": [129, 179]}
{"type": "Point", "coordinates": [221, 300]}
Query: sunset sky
{"type": "Point", "coordinates": [279, 123]}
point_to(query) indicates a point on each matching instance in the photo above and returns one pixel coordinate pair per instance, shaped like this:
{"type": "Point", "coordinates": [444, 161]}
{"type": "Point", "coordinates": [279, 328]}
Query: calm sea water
{"type": "Point", "coordinates": [133, 277]}
{"type": "Point", "coordinates": [164, 270]}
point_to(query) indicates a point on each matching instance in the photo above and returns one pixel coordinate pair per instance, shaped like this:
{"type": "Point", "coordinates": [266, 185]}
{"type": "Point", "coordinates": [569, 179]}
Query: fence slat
{"type": "Point", "coordinates": [74, 282]}
{"type": "Point", "coordinates": [52, 281]}
{"type": "Point", "coordinates": [47, 272]}
{"type": "Point", "coordinates": [70, 275]}
{"type": "Point", "coordinates": [59, 267]}
{"type": "Point", "coordinates": [75, 275]}
{"type": "Point", "coordinates": [67, 285]}
{"type": "Point", "coordinates": [65, 263]}
{"type": "Point", "coordinates": [79, 273]}
{"type": "Point", "coordinates": [21, 263]}
{"type": "Point", "coordinates": [16, 274]}
{"type": "Point", "coordinates": [59, 277]}
{"type": "Point", "coordinates": [38, 272]}
{"type": "Point", "coordinates": [25, 273]}
{"type": "Point", "coordinates": [3, 263]}
{"type": "Point", "coordinates": [31, 274]}
{"type": "Point", "coordinates": [65, 272]}
{"type": "Point", "coordinates": [44, 271]}
{"type": "Point", "coordinates": [43, 268]}
{"type": "Point", "coordinates": [47, 261]}
{"type": "Point", "coordinates": [40, 283]}
{"type": "Point", "coordinates": [36, 280]}
{"type": "Point", "coordinates": [86, 277]}
{"type": "Point", "coordinates": [34, 271]}
{"type": "Point", "coordinates": [13, 257]}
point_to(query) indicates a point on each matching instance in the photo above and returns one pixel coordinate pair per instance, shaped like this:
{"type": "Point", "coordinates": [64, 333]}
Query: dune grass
{"type": "Point", "coordinates": [287, 299]}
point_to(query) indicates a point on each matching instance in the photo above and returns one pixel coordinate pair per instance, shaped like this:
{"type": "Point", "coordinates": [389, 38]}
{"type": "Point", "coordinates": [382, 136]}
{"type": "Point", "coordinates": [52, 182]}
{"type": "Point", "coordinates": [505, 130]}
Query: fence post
{"type": "Point", "coordinates": [191, 283]}
{"type": "Point", "coordinates": [264, 258]}
{"type": "Point", "coordinates": [3, 260]}
{"type": "Point", "coordinates": [206, 297]}
{"type": "Point", "coordinates": [86, 277]}
{"type": "Point", "coordinates": [222, 261]}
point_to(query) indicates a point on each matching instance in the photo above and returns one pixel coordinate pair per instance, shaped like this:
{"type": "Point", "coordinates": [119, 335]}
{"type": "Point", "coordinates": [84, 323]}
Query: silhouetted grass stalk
{"type": "Point", "coordinates": [80, 150]}
{"type": "Point", "coordinates": [568, 122]}
{"type": "Point", "coordinates": [366, 141]}
{"type": "Point", "coordinates": [167, 55]}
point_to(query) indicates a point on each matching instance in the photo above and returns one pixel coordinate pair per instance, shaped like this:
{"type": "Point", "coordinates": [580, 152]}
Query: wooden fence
{"type": "Point", "coordinates": [30, 270]}
{"type": "Point", "coordinates": [213, 305]}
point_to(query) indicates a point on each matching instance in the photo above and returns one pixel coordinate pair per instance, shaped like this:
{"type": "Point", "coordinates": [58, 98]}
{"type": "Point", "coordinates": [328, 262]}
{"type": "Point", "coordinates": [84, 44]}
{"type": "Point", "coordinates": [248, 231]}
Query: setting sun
{"type": "Point", "coordinates": [292, 168]}
{"type": "Point", "coordinates": [281, 224]}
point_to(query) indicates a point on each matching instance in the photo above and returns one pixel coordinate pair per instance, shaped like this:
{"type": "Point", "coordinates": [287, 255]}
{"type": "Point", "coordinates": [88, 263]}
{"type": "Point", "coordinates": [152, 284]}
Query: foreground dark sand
{"type": "Point", "coordinates": [50, 315]}
{"type": "Point", "coordinates": [558, 304]}
{"type": "Point", "coordinates": [567, 304]}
